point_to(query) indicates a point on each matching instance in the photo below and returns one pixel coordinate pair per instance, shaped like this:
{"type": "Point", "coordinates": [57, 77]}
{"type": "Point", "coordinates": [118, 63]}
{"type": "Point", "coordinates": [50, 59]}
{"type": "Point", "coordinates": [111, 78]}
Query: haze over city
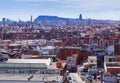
{"type": "Point", "coordinates": [95, 9]}
{"type": "Point", "coordinates": [59, 41]}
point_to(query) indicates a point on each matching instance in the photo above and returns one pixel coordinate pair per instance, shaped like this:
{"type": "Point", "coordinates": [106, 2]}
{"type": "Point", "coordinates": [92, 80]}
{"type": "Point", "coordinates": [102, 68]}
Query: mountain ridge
{"type": "Point", "coordinates": [52, 18]}
{"type": "Point", "coordinates": [57, 18]}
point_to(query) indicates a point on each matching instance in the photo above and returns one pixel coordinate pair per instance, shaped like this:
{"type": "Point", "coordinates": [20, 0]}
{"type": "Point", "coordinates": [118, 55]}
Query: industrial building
{"type": "Point", "coordinates": [41, 69]}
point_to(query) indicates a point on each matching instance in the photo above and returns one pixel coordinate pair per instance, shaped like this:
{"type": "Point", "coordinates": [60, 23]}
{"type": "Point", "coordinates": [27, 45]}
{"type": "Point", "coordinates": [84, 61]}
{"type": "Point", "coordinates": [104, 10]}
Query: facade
{"type": "Point", "coordinates": [117, 49]}
{"type": "Point", "coordinates": [92, 60]}
{"type": "Point", "coordinates": [112, 64]}
{"type": "Point", "coordinates": [98, 53]}
{"type": "Point", "coordinates": [91, 63]}
{"type": "Point", "coordinates": [72, 62]}
{"type": "Point", "coordinates": [69, 51]}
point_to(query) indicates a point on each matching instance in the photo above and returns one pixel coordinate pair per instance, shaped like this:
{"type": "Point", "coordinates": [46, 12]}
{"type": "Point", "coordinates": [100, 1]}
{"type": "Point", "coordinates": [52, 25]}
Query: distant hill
{"type": "Point", "coordinates": [51, 18]}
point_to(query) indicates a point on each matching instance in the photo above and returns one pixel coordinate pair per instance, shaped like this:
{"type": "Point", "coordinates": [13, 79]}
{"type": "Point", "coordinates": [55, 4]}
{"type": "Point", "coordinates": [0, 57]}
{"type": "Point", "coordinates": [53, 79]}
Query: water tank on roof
{"type": "Point", "coordinates": [59, 64]}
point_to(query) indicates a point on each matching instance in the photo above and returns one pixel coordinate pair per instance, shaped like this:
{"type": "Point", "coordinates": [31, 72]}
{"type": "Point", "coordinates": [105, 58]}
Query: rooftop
{"type": "Point", "coordinates": [36, 77]}
{"type": "Point", "coordinates": [70, 47]}
{"type": "Point", "coordinates": [92, 57]}
{"type": "Point", "coordinates": [30, 63]}
{"type": "Point", "coordinates": [46, 61]}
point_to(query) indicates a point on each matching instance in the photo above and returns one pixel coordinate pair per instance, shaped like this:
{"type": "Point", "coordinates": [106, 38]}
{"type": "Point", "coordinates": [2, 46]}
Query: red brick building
{"type": "Point", "coordinates": [112, 64]}
{"type": "Point", "coordinates": [117, 49]}
{"type": "Point", "coordinates": [69, 51]}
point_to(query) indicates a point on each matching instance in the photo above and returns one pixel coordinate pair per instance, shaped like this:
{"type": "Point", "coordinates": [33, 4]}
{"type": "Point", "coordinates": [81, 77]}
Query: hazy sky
{"type": "Point", "coordinates": [96, 9]}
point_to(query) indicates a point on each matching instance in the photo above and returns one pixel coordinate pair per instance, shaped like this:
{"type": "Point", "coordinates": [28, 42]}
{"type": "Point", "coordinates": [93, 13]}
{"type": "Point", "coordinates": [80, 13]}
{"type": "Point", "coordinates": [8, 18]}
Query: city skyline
{"type": "Point", "coordinates": [95, 9]}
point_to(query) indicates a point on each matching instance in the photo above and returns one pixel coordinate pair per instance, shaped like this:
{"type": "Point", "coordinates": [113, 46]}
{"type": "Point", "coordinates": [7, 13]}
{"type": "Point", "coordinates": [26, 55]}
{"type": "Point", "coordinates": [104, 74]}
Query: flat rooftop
{"type": "Point", "coordinates": [30, 63]}
{"type": "Point", "coordinates": [46, 61]}
{"type": "Point", "coordinates": [24, 77]}
{"type": "Point", "coordinates": [92, 57]}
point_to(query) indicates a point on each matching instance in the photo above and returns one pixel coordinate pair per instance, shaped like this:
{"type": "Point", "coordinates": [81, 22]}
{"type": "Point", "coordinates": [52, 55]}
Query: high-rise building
{"type": "Point", "coordinates": [80, 17]}
{"type": "Point", "coordinates": [3, 20]}
{"type": "Point", "coordinates": [31, 18]}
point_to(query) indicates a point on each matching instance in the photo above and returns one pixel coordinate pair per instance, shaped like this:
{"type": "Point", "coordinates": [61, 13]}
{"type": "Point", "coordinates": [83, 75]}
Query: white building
{"type": "Point", "coordinates": [72, 61]}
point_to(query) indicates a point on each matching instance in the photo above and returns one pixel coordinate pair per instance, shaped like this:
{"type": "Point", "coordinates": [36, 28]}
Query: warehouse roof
{"type": "Point", "coordinates": [46, 61]}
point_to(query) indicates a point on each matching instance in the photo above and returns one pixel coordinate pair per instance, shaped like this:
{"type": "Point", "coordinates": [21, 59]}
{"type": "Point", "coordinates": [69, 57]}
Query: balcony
{"type": "Point", "coordinates": [113, 64]}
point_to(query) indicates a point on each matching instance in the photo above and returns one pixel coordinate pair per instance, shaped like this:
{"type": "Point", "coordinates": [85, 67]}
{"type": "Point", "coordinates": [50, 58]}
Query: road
{"type": "Point", "coordinates": [75, 78]}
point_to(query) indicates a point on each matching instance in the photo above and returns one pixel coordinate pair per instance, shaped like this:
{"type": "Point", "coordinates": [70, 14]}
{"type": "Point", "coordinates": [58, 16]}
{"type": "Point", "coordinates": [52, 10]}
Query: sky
{"type": "Point", "coordinates": [95, 9]}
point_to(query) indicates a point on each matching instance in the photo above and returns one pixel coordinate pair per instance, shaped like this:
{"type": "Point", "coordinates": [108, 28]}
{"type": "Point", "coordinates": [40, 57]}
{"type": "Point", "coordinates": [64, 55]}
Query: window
{"type": "Point", "coordinates": [56, 71]}
{"type": "Point", "coordinates": [111, 59]}
{"type": "Point", "coordinates": [91, 61]}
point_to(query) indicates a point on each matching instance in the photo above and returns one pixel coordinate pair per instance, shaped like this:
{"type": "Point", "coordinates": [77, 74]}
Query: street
{"type": "Point", "coordinates": [75, 78]}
